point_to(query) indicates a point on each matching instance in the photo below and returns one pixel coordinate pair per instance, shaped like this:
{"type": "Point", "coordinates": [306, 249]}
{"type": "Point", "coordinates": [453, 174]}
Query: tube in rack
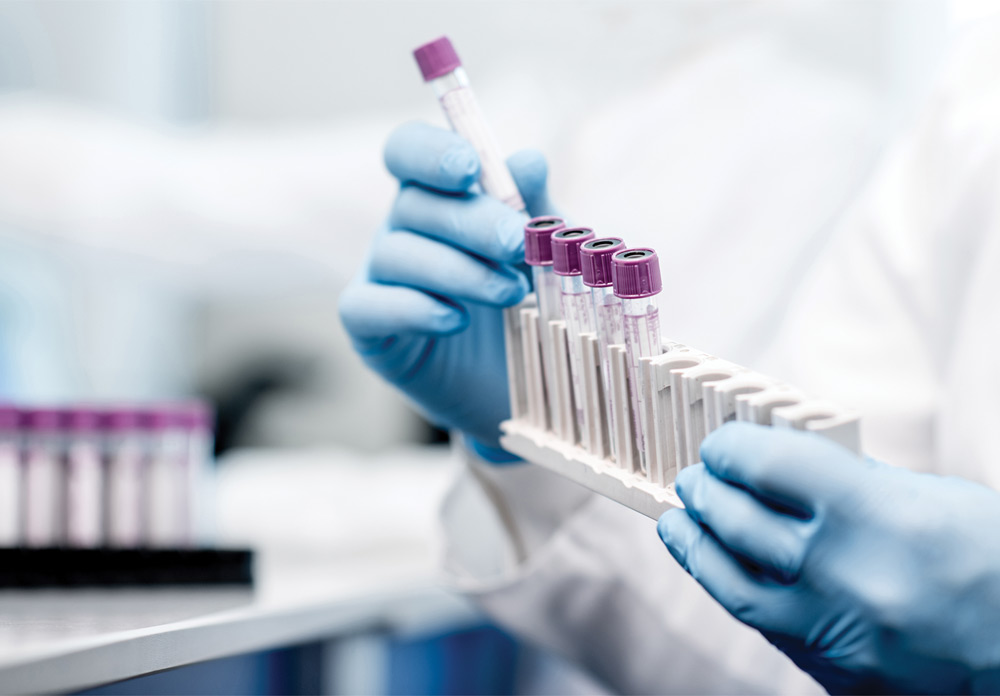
{"type": "Point", "coordinates": [84, 479]}
{"type": "Point", "coordinates": [538, 254]}
{"type": "Point", "coordinates": [43, 477]}
{"type": "Point", "coordinates": [166, 479]}
{"type": "Point", "coordinates": [576, 308]}
{"type": "Point", "coordinates": [10, 477]}
{"type": "Point", "coordinates": [125, 451]}
{"type": "Point", "coordinates": [595, 260]}
{"type": "Point", "coordinates": [636, 280]}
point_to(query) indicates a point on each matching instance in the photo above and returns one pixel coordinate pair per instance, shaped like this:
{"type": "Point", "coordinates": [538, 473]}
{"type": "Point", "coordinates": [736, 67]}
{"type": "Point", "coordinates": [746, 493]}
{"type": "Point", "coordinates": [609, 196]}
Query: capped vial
{"type": "Point", "coordinates": [84, 479]}
{"type": "Point", "coordinates": [595, 261]}
{"type": "Point", "coordinates": [440, 66]}
{"type": "Point", "coordinates": [576, 309]}
{"type": "Point", "coordinates": [636, 280]}
{"type": "Point", "coordinates": [538, 254]}
{"type": "Point", "coordinates": [11, 503]}
{"type": "Point", "coordinates": [125, 453]}
{"type": "Point", "coordinates": [44, 480]}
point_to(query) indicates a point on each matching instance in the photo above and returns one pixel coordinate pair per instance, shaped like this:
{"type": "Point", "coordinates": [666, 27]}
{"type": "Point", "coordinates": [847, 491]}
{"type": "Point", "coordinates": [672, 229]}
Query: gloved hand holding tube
{"type": "Point", "coordinates": [425, 311]}
{"type": "Point", "coordinates": [870, 578]}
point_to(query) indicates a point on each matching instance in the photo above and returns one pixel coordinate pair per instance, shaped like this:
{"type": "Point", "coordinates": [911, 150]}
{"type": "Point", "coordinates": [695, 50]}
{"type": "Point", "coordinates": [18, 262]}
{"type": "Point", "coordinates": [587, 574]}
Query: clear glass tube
{"type": "Point", "coordinates": [84, 490]}
{"type": "Point", "coordinates": [166, 487]}
{"type": "Point", "coordinates": [578, 313]}
{"type": "Point", "coordinates": [10, 488]}
{"type": "Point", "coordinates": [466, 118]}
{"type": "Point", "coordinates": [641, 322]}
{"type": "Point", "coordinates": [126, 454]}
{"type": "Point", "coordinates": [549, 294]}
{"type": "Point", "coordinates": [609, 324]}
{"type": "Point", "coordinates": [43, 484]}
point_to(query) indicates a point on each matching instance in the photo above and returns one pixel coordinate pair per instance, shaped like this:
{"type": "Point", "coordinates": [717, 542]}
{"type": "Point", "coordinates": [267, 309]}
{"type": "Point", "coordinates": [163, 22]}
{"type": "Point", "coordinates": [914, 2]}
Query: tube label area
{"type": "Point", "coordinates": [466, 118]}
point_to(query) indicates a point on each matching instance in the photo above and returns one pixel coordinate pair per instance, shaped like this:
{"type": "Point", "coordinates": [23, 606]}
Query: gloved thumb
{"type": "Point", "coordinates": [531, 173]}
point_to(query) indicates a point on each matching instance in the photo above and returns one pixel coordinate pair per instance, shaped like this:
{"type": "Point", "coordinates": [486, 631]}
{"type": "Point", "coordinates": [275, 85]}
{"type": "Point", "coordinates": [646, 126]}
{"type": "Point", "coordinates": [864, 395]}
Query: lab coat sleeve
{"type": "Point", "coordinates": [587, 578]}
{"type": "Point", "coordinates": [196, 198]}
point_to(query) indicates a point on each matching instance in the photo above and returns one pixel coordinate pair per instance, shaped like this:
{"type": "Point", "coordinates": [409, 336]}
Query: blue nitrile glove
{"type": "Point", "coordinates": [871, 578]}
{"type": "Point", "coordinates": [425, 311]}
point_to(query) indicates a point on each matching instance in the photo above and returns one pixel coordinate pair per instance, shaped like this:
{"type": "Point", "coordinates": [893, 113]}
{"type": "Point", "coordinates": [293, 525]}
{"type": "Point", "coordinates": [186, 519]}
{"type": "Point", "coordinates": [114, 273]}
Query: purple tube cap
{"type": "Point", "coordinates": [83, 419]}
{"type": "Point", "coordinates": [120, 419]}
{"type": "Point", "coordinates": [161, 418]}
{"type": "Point", "coordinates": [595, 260]}
{"type": "Point", "coordinates": [42, 419]}
{"type": "Point", "coordinates": [566, 245]}
{"type": "Point", "coordinates": [538, 239]}
{"type": "Point", "coordinates": [10, 417]}
{"type": "Point", "coordinates": [635, 273]}
{"type": "Point", "coordinates": [436, 58]}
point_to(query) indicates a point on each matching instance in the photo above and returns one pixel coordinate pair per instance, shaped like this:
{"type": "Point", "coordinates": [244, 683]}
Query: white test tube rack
{"type": "Point", "coordinates": [688, 394]}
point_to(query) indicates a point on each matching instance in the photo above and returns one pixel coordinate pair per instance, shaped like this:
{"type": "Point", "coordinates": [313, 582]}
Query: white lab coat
{"type": "Point", "coordinates": [896, 318]}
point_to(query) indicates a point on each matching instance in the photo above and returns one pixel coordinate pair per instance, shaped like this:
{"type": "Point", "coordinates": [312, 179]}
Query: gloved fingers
{"type": "Point", "coordinates": [477, 223]}
{"type": "Point", "coordinates": [531, 173]}
{"type": "Point", "coordinates": [765, 607]}
{"type": "Point", "coordinates": [374, 312]}
{"type": "Point", "coordinates": [744, 525]}
{"type": "Point", "coordinates": [432, 157]}
{"type": "Point", "coordinates": [406, 258]}
{"type": "Point", "coordinates": [795, 469]}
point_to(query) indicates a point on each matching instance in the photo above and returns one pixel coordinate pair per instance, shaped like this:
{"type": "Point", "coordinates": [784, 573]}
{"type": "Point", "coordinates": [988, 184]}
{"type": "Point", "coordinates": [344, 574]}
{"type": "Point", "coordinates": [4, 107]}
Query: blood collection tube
{"type": "Point", "coordinates": [43, 477]}
{"type": "Point", "coordinates": [84, 479]}
{"type": "Point", "coordinates": [636, 280]}
{"type": "Point", "coordinates": [595, 261]}
{"type": "Point", "coordinates": [576, 306]}
{"type": "Point", "coordinates": [125, 453]}
{"type": "Point", "coordinates": [440, 65]}
{"type": "Point", "coordinates": [10, 477]}
{"type": "Point", "coordinates": [538, 254]}
{"type": "Point", "coordinates": [166, 480]}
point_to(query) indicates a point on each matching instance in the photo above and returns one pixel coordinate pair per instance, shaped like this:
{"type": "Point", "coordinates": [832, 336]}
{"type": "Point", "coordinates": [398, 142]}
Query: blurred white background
{"type": "Point", "coordinates": [185, 187]}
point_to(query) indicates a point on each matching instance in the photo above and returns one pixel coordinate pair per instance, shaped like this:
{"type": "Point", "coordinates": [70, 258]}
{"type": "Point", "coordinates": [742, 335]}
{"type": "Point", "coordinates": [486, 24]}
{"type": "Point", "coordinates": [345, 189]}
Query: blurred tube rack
{"type": "Point", "coordinates": [109, 495]}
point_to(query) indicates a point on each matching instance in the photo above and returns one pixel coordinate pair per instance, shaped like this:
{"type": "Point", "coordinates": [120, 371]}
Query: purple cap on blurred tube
{"type": "Point", "coordinates": [566, 249]}
{"type": "Point", "coordinates": [635, 273]}
{"type": "Point", "coordinates": [42, 419]}
{"type": "Point", "coordinates": [436, 58]}
{"type": "Point", "coordinates": [120, 419]}
{"type": "Point", "coordinates": [10, 418]}
{"type": "Point", "coordinates": [595, 260]}
{"type": "Point", "coordinates": [538, 239]}
{"type": "Point", "coordinates": [83, 419]}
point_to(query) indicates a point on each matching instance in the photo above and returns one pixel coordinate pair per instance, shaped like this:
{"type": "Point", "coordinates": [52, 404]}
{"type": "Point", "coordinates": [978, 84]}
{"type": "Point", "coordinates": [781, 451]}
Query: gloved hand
{"type": "Point", "coordinates": [871, 578]}
{"type": "Point", "coordinates": [425, 311]}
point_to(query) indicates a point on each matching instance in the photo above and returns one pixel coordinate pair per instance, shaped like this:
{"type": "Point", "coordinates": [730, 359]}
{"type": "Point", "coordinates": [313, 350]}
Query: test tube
{"type": "Point", "coordinates": [125, 454]}
{"type": "Point", "coordinates": [166, 480]}
{"type": "Point", "coordinates": [576, 308]}
{"type": "Point", "coordinates": [10, 477]}
{"type": "Point", "coordinates": [636, 280]}
{"type": "Point", "coordinates": [440, 66]}
{"type": "Point", "coordinates": [43, 477]}
{"type": "Point", "coordinates": [538, 254]}
{"type": "Point", "coordinates": [84, 479]}
{"type": "Point", "coordinates": [595, 259]}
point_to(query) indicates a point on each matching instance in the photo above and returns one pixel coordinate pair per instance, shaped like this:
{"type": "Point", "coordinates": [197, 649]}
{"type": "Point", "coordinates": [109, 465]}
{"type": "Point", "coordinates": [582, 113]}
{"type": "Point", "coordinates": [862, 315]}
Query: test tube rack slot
{"type": "Point", "coordinates": [687, 394]}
